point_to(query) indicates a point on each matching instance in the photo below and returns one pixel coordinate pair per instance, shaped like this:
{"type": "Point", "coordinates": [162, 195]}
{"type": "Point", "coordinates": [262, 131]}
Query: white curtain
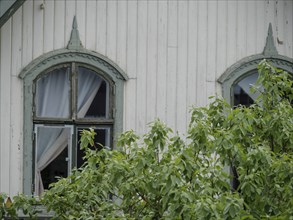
{"type": "Point", "coordinates": [88, 86]}
{"type": "Point", "coordinates": [52, 100]}
{"type": "Point", "coordinates": [52, 95]}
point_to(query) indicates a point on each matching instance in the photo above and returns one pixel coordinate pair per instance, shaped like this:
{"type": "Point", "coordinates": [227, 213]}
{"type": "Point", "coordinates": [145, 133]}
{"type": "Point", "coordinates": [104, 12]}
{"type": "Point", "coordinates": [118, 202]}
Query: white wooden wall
{"type": "Point", "coordinates": [173, 52]}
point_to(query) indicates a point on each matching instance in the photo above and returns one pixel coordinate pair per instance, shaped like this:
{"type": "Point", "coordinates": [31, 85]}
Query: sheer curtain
{"type": "Point", "coordinates": [88, 86]}
{"type": "Point", "coordinates": [52, 100]}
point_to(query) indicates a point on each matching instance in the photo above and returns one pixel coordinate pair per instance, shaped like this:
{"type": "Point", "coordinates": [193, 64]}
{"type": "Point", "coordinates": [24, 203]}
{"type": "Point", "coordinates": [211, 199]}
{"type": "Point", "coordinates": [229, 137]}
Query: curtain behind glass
{"type": "Point", "coordinates": [52, 100]}
{"type": "Point", "coordinates": [51, 141]}
{"type": "Point", "coordinates": [52, 94]}
{"type": "Point", "coordinates": [88, 85]}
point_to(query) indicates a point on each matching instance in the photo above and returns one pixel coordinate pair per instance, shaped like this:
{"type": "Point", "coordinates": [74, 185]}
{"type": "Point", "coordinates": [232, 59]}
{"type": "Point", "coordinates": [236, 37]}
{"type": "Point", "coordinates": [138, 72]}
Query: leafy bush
{"type": "Point", "coordinates": [163, 176]}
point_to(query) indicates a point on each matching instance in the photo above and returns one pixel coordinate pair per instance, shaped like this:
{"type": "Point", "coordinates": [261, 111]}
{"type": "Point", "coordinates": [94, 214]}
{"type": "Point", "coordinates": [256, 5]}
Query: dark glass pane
{"type": "Point", "coordinates": [98, 106]}
{"type": "Point", "coordinates": [52, 94]}
{"type": "Point", "coordinates": [102, 137]}
{"type": "Point", "coordinates": [57, 168]}
{"type": "Point", "coordinates": [92, 95]}
{"type": "Point", "coordinates": [51, 158]}
{"type": "Point", "coordinates": [241, 91]}
{"type": "Point", "coordinates": [241, 97]}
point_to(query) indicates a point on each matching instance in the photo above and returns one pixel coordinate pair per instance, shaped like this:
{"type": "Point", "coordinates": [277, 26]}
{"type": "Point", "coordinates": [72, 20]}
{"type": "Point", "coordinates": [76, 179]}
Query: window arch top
{"type": "Point", "coordinates": [246, 67]}
{"type": "Point", "coordinates": [58, 57]}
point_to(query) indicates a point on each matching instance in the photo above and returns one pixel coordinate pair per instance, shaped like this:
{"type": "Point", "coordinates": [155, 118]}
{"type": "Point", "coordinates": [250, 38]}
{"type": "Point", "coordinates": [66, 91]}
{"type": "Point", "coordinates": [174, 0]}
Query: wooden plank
{"type": "Point", "coordinates": [16, 123]}
{"type": "Point", "coordinates": [16, 138]}
{"type": "Point", "coordinates": [162, 60]}
{"type": "Point", "coordinates": [261, 32]}
{"type": "Point", "coordinates": [270, 13]}
{"type": "Point", "coordinates": [172, 64]}
{"type": "Point", "coordinates": [131, 69]}
{"type": "Point", "coordinates": [251, 28]}
{"type": "Point", "coordinates": [80, 17]}
{"type": "Point", "coordinates": [111, 30]}
{"type": "Point", "coordinates": [27, 33]}
{"type": "Point", "coordinates": [202, 53]}
{"type": "Point", "coordinates": [5, 80]}
{"type": "Point", "coordinates": [241, 29]}
{"type": "Point", "coordinates": [288, 35]}
{"type": "Point", "coordinates": [192, 53]}
{"type": "Point", "coordinates": [38, 31]}
{"type": "Point", "coordinates": [121, 33]}
{"type": "Point", "coordinates": [212, 46]}
{"type": "Point", "coordinates": [279, 34]}
{"type": "Point", "coordinates": [59, 25]}
{"type": "Point", "coordinates": [101, 27]}
{"type": "Point", "coordinates": [141, 67]}
{"type": "Point", "coordinates": [172, 23]}
{"type": "Point", "coordinates": [181, 88]}
{"type": "Point", "coordinates": [90, 37]}
{"type": "Point", "coordinates": [151, 61]}
{"type": "Point", "coordinates": [16, 43]}
{"type": "Point", "coordinates": [231, 29]}
{"type": "Point", "coordinates": [49, 15]}
{"type": "Point", "coordinates": [70, 12]}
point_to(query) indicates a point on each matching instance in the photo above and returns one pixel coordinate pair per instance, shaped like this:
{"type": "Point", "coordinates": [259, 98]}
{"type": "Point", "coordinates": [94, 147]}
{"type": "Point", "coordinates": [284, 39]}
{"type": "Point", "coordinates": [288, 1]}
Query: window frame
{"type": "Point", "coordinates": [36, 68]}
{"type": "Point", "coordinates": [247, 66]}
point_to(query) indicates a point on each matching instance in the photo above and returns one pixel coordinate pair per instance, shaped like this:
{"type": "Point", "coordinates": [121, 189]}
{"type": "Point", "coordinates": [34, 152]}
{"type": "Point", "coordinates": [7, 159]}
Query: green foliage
{"type": "Point", "coordinates": [162, 176]}
{"type": "Point", "coordinates": [20, 204]}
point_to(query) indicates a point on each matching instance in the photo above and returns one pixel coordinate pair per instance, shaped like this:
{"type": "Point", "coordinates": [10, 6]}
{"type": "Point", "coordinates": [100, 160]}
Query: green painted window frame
{"type": "Point", "coordinates": [247, 66]}
{"type": "Point", "coordinates": [55, 58]}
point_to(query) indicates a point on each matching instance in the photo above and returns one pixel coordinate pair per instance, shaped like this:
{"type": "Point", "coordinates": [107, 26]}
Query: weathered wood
{"type": "Point", "coordinates": [16, 122]}
{"type": "Point", "coordinates": [162, 61]}
{"type": "Point", "coordinates": [181, 87]}
{"type": "Point", "coordinates": [141, 66]}
{"type": "Point", "coordinates": [49, 26]}
{"type": "Point", "coordinates": [131, 67]}
{"type": "Point", "coordinates": [172, 63]}
{"type": "Point", "coordinates": [5, 97]}
{"type": "Point", "coordinates": [59, 24]}
{"type": "Point", "coordinates": [90, 25]}
{"type": "Point", "coordinates": [151, 74]}
{"type": "Point", "coordinates": [111, 42]}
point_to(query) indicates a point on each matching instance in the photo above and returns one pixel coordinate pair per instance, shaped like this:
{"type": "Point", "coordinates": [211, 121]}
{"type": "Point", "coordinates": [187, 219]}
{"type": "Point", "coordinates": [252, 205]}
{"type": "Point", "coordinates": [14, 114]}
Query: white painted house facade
{"type": "Point", "coordinates": [117, 65]}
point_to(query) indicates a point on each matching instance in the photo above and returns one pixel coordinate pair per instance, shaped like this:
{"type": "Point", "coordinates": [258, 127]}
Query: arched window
{"type": "Point", "coordinates": [237, 80]}
{"type": "Point", "coordinates": [67, 99]}
{"type": "Point", "coordinates": [66, 91]}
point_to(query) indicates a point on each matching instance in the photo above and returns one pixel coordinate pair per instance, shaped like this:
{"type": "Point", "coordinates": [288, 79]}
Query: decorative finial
{"type": "Point", "coordinates": [74, 42]}
{"type": "Point", "coordinates": [270, 48]}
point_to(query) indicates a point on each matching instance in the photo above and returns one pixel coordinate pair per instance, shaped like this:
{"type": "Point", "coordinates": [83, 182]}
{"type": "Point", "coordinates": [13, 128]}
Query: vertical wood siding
{"type": "Point", "coordinates": [172, 51]}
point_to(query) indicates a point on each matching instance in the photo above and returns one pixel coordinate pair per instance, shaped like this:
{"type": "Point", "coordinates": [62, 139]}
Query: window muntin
{"type": "Point", "coordinates": [74, 96]}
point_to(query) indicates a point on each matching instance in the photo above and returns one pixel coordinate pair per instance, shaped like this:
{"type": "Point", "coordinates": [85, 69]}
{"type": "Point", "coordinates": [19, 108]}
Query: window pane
{"type": "Point", "coordinates": [52, 147]}
{"type": "Point", "coordinates": [57, 168]}
{"type": "Point", "coordinates": [242, 94]}
{"type": "Point", "coordinates": [52, 94]}
{"type": "Point", "coordinates": [102, 137]}
{"type": "Point", "coordinates": [92, 97]}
